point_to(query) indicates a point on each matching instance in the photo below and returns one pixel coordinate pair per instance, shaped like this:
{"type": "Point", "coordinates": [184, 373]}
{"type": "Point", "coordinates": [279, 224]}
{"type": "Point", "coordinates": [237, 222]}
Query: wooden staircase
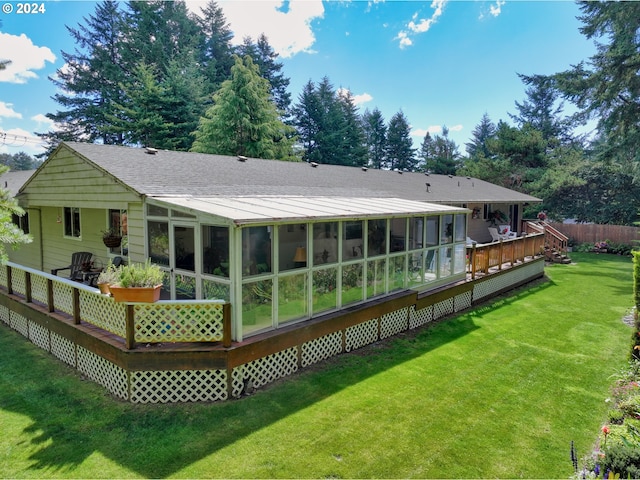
{"type": "Point", "coordinates": [555, 242]}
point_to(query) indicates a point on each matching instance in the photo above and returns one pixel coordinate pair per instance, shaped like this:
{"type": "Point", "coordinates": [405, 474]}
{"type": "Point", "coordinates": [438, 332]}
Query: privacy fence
{"type": "Point", "coordinates": [591, 233]}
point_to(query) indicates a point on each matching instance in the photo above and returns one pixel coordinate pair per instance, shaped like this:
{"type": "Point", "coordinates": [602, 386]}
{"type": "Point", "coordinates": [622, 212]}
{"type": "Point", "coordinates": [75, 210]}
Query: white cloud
{"type": "Point", "coordinates": [422, 25]}
{"type": "Point", "coordinates": [456, 128]}
{"type": "Point", "coordinates": [288, 29]}
{"type": "Point", "coordinates": [357, 99]}
{"type": "Point", "coordinates": [496, 9]}
{"type": "Point", "coordinates": [42, 119]}
{"type": "Point", "coordinates": [421, 132]}
{"type": "Point", "coordinates": [7, 111]}
{"type": "Point", "coordinates": [16, 140]}
{"type": "Point", "coordinates": [25, 57]}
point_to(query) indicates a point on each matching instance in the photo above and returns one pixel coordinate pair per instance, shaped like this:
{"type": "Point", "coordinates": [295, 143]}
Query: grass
{"type": "Point", "coordinates": [498, 392]}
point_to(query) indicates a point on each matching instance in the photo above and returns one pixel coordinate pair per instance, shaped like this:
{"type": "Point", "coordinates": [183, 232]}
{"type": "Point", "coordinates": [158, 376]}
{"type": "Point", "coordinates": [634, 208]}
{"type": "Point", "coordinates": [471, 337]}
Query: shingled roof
{"type": "Point", "coordinates": [160, 173]}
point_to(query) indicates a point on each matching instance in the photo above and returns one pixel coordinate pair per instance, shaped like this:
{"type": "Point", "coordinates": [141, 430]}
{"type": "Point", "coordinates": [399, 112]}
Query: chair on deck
{"type": "Point", "coordinates": [506, 231]}
{"type": "Point", "coordinates": [79, 262]}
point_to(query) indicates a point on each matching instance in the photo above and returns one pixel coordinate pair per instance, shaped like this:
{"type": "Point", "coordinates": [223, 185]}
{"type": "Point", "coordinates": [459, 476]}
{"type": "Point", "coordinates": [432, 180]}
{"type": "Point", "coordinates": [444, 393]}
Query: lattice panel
{"type": "Point", "coordinates": [39, 289]}
{"type": "Point", "coordinates": [443, 308]}
{"type": "Point", "coordinates": [360, 335]}
{"type": "Point", "coordinates": [5, 312]}
{"type": "Point", "coordinates": [63, 297]}
{"type": "Point", "coordinates": [393, 323]}
{"type": "Point", "coordinates": [102, 371]}
{"type": "Point", "coordinates": [237, 385]}
{"type": "Point", "coordinates": [321, 348]}
{"type": "Point", "coordinates": [3, 276]}
{"type": "Point", "coordinates": [63, 349]}
{"type": "Point", "coordinates": [420, 317]}
{"type": "Point", "coordinates": [463, 301]}
{"type": "Point", "coordinates": [174, 322]}
{"type": "Point", "coordinates": [18, 282]}
{"type": "Point", "coordinates": [39, 335]}
{"type": "Point", "coordinates": [268, 369]}
{"type": "Point", "coordinates": [19, 323]}
{"type": "Point", "coordinates": [178, 386]}
{"type": "Point", "coordinates": [102, 311]}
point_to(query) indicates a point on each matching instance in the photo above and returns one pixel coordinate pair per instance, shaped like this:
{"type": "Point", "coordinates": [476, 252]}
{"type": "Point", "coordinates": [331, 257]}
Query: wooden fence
{"type": "Point", "coordinates": [592, 233]}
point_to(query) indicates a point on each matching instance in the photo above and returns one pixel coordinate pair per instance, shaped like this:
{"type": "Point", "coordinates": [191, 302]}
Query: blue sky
{"type": "Point", "coordinates": [444, 62]}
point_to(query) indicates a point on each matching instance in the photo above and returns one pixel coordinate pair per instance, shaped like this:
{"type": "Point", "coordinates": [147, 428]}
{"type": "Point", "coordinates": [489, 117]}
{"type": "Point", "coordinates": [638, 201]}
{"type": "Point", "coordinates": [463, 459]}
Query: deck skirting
{"type": "Point", "coordinates": [206, 373]}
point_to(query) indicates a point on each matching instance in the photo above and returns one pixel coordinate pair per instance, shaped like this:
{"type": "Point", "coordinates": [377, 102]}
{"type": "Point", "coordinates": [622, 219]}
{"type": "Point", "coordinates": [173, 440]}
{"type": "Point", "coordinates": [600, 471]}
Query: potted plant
{"type": "Point", "coordinates": [108, 277]}
{"type": "Point", "coordinates": [138, 282]}
{"type": "Point", "coordinates": [111, 238]}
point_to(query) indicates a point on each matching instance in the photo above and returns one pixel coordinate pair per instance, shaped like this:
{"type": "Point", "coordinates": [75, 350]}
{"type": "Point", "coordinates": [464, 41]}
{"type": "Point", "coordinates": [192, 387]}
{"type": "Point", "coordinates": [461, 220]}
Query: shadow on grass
{"type": "Point", "coordinates": [72, 418]}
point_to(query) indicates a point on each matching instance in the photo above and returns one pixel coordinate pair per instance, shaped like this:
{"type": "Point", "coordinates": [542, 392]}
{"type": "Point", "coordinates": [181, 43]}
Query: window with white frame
{"type": "Point", "coordinates": [72, 222]}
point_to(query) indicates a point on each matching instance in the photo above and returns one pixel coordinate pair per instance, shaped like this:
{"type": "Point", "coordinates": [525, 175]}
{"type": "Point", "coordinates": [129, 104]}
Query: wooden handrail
{"type": "Point", "coordinates": [482, 257]}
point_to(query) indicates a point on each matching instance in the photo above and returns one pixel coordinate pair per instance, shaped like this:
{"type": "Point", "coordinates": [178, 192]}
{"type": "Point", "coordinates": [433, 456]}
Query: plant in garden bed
{"type": "Point", "coordinates": [138, 276]}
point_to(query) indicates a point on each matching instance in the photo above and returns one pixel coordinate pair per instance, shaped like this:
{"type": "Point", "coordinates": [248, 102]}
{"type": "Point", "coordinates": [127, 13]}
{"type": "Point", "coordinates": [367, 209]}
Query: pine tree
{"type": "Point", "coordinates": [307, 120]}
{"type": "Point", "coordinates": [243, 120]}
{"type": "Point", "coordinates": [477, 146]}
{"type": "Point", "coordinates": [439, 154]}
{"type": "Point", "coordinates": [400, 151]}
{"type": "Point", "coordinates": [353, 151]}
{"type": "Point", "coordinates": [375, 132]}
{"type": "Point", "coordinates": [91, 81]}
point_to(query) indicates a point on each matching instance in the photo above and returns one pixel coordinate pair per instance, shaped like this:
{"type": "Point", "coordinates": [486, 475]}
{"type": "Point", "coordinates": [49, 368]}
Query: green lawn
{"type": "Point", "coordinates": [498, 392]}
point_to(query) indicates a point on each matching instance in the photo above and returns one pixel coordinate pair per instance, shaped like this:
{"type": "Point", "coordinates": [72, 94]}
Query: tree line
{"type": "Point", "coordinates": [151, 73]}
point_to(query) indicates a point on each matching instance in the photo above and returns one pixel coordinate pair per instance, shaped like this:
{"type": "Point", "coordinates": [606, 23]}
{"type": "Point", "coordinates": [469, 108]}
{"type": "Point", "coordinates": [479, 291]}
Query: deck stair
{"type": "Point", "coordinates": [555, 242]}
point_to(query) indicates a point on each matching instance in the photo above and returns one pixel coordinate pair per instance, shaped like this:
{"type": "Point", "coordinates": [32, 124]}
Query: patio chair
{"type": "Point", "coordinates": [79, 261]}
{"type": "Point", "coordinates": [506, 231]}
{"type": "Point", "coordinates": [495, 236]}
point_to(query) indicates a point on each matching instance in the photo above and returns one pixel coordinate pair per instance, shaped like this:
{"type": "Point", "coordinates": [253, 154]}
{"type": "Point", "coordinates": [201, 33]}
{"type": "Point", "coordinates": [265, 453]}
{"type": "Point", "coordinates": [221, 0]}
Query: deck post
{"type": "Point", "coordinates": [500, 255]}
{"type": "Point", "coordinates": [76, 306]}
{"type": "Point", "coordinates": [50, 305]}
{"type": "Point", "coordinates": [226, 325]}
{"type": "Point", "coordinates": [9, 281]}
{"type": "Point", "coordinates": [27, 287]}
{"type": "Point", "coordinates": [473, 261]}
{"type": "Point", "coordinates": [130, 341]}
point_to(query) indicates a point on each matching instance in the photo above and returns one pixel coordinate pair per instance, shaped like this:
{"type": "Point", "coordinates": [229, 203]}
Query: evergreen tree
{"type": "Point", "coordinates": [243, 120]}
{"type": "Point", "coordinates": [215, 53]}
{"type": "Point", "coordinates": [10, 233]}
{"type": "Point", "coordinates": [477, 146]}
{"type": "Point", "coordinates": [91, 81]}
{"type": "Point", "coordinates": [542, 111]}
{"type": "Point", "coordinates": [375, 134]}
{"type": "Point", "coordinates": [439, 154]}
{"type": "Point", "coordinates": [265, 58]}
{"type": "Point", "coordinates": [400, 151]}
{"type": "Point", "coordinates": [353, 151]}
{"type": "Point", "coordinates": [307, 120]}
{"type": "Point", "coordinates": [607, 87]}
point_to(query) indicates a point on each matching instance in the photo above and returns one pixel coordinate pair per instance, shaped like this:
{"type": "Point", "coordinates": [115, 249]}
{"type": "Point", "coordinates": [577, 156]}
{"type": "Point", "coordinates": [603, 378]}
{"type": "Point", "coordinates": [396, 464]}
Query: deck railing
{"type": "Point", "coordinates": [159, 322]}
{"type": "Point", "coordinates": [482, 257]}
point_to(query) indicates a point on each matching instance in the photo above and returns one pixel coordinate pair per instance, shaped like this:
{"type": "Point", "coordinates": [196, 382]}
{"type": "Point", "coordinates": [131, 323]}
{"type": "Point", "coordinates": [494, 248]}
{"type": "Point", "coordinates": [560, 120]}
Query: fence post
{"type": "Point", "coordinates": [50, 305]}
{"type": "Point", "coordinates": [27, 287]}
{"type": "Point", "coordinates": [76, 306]}
{"type": "Point", "coordinates": [9, 280]}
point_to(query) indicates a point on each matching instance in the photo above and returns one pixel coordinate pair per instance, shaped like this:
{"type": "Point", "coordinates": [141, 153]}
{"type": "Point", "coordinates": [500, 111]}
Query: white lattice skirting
{"type": "Point", "coordinates": [173, 386]}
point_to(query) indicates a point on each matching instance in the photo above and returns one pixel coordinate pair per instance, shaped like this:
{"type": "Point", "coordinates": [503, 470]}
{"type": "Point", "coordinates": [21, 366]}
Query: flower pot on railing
{"type": "Point", "coordinates": [136, 294]}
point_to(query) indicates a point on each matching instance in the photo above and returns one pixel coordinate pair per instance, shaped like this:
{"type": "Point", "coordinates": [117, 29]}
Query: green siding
{"type": "Point", "coordinates": [30, 254]}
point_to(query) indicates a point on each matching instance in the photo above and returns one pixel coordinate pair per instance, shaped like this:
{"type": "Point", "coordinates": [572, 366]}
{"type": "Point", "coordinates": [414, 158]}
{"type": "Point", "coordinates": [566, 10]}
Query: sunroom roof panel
{"type": "Point", "coordinates": [262, 209]}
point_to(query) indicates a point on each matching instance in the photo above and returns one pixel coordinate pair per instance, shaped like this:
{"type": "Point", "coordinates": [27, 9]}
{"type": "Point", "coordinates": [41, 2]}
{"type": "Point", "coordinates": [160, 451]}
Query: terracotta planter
{"type": "Point", "coordinates": [104, 288]}
{"type": "Point", "coordinates": [136, 294]}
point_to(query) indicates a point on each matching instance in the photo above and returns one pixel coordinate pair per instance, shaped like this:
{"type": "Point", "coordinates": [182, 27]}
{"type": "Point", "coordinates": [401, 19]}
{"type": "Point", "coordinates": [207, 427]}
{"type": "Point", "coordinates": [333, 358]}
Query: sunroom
{"type": "Point", "coordinates": [285, 259]}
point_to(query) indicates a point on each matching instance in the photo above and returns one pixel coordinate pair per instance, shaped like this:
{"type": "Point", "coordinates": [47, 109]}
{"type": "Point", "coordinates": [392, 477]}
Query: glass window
{"type": "Point", "coordinates": [352, 289]}
{"type": "Point", "coordinates": [325, 243]}
{"type": "Point", "coordinates": [376, 275]}
{"type": "Point", "coordinates": [292, 246]}
{"type": "Point", "coordinates": [460, 228]}
{"type": "Point", "coordinates": [158, 242]}
{"type": "Point", "coordinates": [446, 234]}
{"type": "Point", "coordinates": [22, 221]}
{"type": "Point", "coordinates": [433, 231]}
{"type": "Point", "coordinates": [352, 244]}
{"type": "Point", "coordinates": [184, 247]}
{"type": "Point", "coordinates": [72, 222]}
{"type": "Point", "coordinates": [256, 250]}
{"type": "Point", "coordinates": [431, 265]}
{"type": "Point", "coordinates": [397, 272]}
{"type": "Point", "coordinates": [118, 225]}
{"type": "Point", "coordinates": [292, 297]}
{"type": "Point", "coordinates": [377, 237]}
{"type": "Point", "coordinates": [398, 241]}
{"type": "Point", "coordinates": [185, 287]}
{"type": "Point", "coordinates": [256, 306]}
{"type": "Point", "coordinates": [212, 290]}
{"type": "Point", "coordinates": [179, 214]}
{"type": "Point", "coordinates": [416, 225]}
{"type": "Point", "coordinates": [215, 250]}
{"type": "Point", "coordinates": [460, 261]}
{"type": "Point", "coordinates": [446, 261]}
{"type": "Point", "coordinates": [324, 289]}
{"type": "Point", "coordinates": [415, 269]}
{"type": "Point", "coordinates": [155, 211]}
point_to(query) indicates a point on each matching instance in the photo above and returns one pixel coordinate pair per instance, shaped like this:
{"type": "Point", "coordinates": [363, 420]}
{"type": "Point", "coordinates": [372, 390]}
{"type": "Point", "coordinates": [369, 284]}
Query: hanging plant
{"type": "Point", "coordinates": [111, 238]}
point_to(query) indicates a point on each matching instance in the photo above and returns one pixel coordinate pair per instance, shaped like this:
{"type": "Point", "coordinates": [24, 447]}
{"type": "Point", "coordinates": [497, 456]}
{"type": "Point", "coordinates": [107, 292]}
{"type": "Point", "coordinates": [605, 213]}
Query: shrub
{"type": "Point", "coordinates": [621, 459]}
{"type": "Point", "coordinates": [140, 275]}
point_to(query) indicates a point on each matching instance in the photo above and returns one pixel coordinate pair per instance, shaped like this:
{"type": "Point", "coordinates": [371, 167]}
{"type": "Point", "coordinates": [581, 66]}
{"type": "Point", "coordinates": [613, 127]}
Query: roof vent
{"type": "Point", "coordinates": [428, 185]}
{"type": "Point", "coordinates": [450, 176]}
{"type": "Point", "coordinates": [364, 169]}
{"type": "Point", "coordinates": [313, 164]}
{"type": "Point", "coordinates": [399, 171]}
{"type": "Point", "coordinates": [151, 150]}
{"type": "Point", "coordinates": [242, 158]}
